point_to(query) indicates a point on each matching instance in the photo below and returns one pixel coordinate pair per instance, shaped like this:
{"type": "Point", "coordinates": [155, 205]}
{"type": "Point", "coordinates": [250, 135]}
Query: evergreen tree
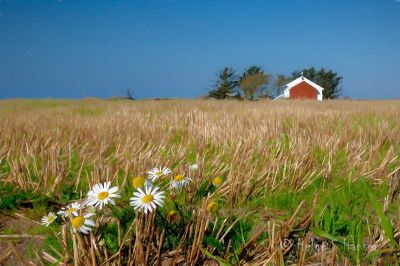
{"type": "Point", "coordinates": [225, 84]}
{"type": "Point", "coordinates": [251, 71]}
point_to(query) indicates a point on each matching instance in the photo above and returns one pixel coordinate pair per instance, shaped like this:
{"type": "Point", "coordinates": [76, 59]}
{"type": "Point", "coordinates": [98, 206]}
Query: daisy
{"type": "Point", "coordinates": [102, 194]}
{"type": "Point", "coordinates": [194, 167]}
{"type": "Point", "coordinates": [73, 208]}
{"type": "Point", "coordinates": [48, 219]}
{"type": "Point", "coordinates": [218, 181]}
{"type": "Point", "coordinates": [156, 173]}
{"type": "Point", "coordinates": [212, 207]}
{"type": "Point", "coordinates": [140, 181]}
{"type": "Point", "coordinates": [82, 223]}
{"type": "Point", "coordinates": [180, 181]}
{"type": "Point", "coordinates": [172, 215]}
{"type": "Point", "coordinates": [147, 200]}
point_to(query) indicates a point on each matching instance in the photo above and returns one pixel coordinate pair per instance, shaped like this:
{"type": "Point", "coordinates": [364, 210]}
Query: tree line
{"type": "Point", "coordinates": [254, 82]}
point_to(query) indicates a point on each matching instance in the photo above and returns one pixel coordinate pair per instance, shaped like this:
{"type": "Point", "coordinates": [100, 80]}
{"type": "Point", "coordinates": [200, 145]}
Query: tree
{"type": "Point", "coordinates": [250, 84]}
{"type": "Point", "coordinates": [252, 70]}
{"type": "Point", "coordinates": [252, 80]}
{"type": "Point", "coordinates": [279, 82]}
{"type": "Point", "coordinates": [225, 84]}
{"type": "Point", "coordinates": [327, 79]}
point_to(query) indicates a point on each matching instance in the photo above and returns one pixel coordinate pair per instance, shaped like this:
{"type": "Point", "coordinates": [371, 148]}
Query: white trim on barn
{"type": "Point", "coordinates": [290, 85]}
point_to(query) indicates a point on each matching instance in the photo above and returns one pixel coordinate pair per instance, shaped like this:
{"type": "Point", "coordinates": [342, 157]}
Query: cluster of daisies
{"type": "Point", "coordinates": [146, 198]}
{"type": "Point", "coordinates": [81, 213]}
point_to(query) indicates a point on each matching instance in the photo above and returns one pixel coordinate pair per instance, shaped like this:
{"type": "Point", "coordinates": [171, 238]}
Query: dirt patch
{"type": "Point", "coordinates": [16, 246]}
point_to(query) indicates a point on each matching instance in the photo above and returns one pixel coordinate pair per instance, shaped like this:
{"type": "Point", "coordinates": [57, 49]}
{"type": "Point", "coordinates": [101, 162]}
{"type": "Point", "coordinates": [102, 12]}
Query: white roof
{"type": "Point", "coordinates": [300, 80]}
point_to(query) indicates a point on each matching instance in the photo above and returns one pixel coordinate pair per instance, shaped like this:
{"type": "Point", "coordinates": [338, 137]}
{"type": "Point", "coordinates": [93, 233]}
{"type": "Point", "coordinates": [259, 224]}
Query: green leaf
{"type": "Point", "coordinates": [385, 221]}
{"type": "Point", "coordinates": [326, 235]}
{"type": "Point", "coordinates": [220, 260]}
{"type": "Point", "coordinates": [213, 242]}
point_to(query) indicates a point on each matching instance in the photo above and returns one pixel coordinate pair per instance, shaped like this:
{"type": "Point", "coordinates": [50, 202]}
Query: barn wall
{"type": "Point", "coordinates": [303, 91]}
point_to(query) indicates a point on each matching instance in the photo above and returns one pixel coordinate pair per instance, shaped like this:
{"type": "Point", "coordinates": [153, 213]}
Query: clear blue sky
{"type": "Point", "coordinates": [79, 48]}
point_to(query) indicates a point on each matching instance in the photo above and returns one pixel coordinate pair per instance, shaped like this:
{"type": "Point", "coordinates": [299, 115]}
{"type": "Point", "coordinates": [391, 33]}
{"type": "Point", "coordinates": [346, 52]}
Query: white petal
{"type": "Point", "coordinates": [86, 228]}
{"type": "Point", "coordinates": [83, 230]}
{"type": "Point", "coordinates": [113, 190]}
{"type": "Point", "coordinates": [114, 196]}
{"type": "Point", "coordinates": [96, 188]}
{"type": "Point", "coordinates": [111, 201]}
{"type": "Point", "coordinates": [159, 195]}
{"type": "Point", "coordinates": [89, 222]}
{"type": "Point", "coordinates": [159, 203]}
{"type": "Point", "coordinates": [133, 198]}
{"type": "Point", "coordinates": [91, 202]}
{"type": "Point", "coordinates": [137, 194]}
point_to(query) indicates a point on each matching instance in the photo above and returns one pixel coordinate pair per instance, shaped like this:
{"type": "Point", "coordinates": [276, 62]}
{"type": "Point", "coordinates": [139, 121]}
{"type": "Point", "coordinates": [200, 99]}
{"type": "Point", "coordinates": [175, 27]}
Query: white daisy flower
{"type": "Point", "coordinates": [48, 219]}
{"type": "Point", "coordinates": [194, 167]}
{"type": "Point", "coordinates": [147, 200]}
{"type": "Point", "coordinates": [156, 173]}
{"type": "Point", "coordinates": [140, 181]}
{"type": "Point", "coordinates": [82, 223]}
{"type": "Point", "coordinates": [102, 194]}
{"type": "Point", "coordinates": [73, 208]}
{"type": "Point", "coordinates": [180, 181]}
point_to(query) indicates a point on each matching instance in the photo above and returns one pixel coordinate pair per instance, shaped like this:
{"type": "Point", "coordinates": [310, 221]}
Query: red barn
{"type": "Point", "coordinates": [302, 88]}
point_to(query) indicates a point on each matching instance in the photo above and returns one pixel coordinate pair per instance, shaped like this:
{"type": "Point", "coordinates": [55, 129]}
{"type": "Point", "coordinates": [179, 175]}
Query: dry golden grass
{"type": "Point", "coordinates": [260, 148]}
{"type": "Point", "coordinates": [274, 143]}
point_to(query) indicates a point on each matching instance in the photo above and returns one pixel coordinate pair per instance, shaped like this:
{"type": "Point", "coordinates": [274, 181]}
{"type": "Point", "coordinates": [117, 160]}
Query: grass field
{"type": "Point", "coordinates": [301, 182]}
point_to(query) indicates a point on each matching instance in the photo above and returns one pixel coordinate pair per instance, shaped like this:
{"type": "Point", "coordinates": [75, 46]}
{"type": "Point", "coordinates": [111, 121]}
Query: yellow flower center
{"type": "Point", "coordinates": [212, 207]}
{"type": "Point", "coordinates": [147, 198]}
{"type": "Point", "coordinates": [51, 218]}
{"type": "Point", "coordinates": [171, 215]}
{"type": "Point", "coordinates": [102, 195]}
{"type": "Point", "coordinates": [217, 181]}
{"type": "Point", "coordinates": [78, 221]}
{"type": "Point", "coordinates": [138, 182]}
{"type": "Point", "coordinates": [179, 178]}
{"type": "Point", "coordinates": [159, 173]}
{"type": "Point", "coordinates": [70, 211]}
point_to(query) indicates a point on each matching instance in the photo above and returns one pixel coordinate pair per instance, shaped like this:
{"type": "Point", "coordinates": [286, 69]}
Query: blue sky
{"type": "Point", "coordinates": [74, 49]}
